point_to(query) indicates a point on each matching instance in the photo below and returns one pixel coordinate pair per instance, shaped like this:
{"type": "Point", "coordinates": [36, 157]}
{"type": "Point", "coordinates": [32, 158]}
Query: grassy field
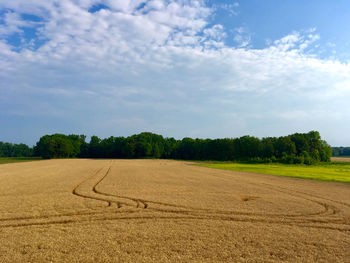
{"type": "Point", "coordinates": [4, 160]}
{"type": "Point", "coordinates": [334, 171]}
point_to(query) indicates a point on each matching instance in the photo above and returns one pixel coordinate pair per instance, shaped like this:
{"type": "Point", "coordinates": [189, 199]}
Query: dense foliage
{"type": "Point", "coordinates": [304, 148]}
{"type": "Point", "coordinates": [15, 150]}
{"type": "Point", "coordinates": [341, 151]}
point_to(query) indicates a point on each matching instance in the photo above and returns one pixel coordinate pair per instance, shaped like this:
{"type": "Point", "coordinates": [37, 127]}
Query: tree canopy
{"type": "Point", "coordinates": [15, 150]}
{"type": "Point", "coordinates": [304, 148]}
{"type": "Point", "coordinates": [341, 151]}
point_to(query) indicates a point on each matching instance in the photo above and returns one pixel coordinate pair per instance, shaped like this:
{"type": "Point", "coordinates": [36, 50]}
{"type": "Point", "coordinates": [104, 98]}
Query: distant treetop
{"type": "Point", "coordinates": [303, 148]}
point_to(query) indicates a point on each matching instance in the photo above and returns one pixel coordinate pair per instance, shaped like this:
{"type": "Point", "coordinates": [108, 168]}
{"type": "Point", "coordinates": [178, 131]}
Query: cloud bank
{"type": "Point", "coordinates": [119, 67]}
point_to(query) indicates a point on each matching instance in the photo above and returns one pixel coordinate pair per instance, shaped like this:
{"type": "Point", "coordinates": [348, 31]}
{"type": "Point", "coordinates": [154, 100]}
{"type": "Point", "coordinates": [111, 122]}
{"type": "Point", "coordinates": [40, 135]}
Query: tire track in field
{"type": "Point", "coordinates": [317, 196]}
{"type": "Point", "coordinates": [138, 203]}
{"type": "Point", "coordinates": [79, 193]}
{"type": "Point", "coordinates": [79, 190]}
{"type": "Point", "coordinates": [191, 211]}
{"type": "Point", "coordinates": [286, 218]}
{"type": "Point", "coordinates": [46, 219]}
{"type": "Point", "coordinates": [113, 217]}
{"type": "Point", "coordinates": [186, 209]}
{"type": "Point", "coordinates": [326, 208]}
{"type": "Point", "coordinates": [88, 189]}
{"type": "Point", "coordinates": [331, 212]}
{"type": "Point", "coordinates": [41, 217]}
{"type": "Point", "coordinates": [91, 192]}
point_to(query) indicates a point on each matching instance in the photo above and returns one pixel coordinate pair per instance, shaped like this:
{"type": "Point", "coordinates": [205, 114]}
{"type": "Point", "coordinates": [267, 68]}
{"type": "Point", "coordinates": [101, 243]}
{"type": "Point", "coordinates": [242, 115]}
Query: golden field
{"type": "Point", "coordinates": [167, 211]}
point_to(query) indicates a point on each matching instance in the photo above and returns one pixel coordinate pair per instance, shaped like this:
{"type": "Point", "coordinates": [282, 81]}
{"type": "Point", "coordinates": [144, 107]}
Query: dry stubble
{"type": "Point", "coordinates": [166, 211]}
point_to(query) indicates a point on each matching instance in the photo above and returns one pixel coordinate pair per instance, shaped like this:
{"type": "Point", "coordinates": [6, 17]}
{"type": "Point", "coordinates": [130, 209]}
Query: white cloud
{"type": "Point", "coordinates": [231, 8]}
{"type": "Point", "coordinates": [242, 37]}
{"type": "Point", "coordinates": [13, 23]}
{"type": "Point", "coordinates": [302, 40]}
{"type": "Point", "coordinates": [216, 32]}
{"type": "Point", "coordinates": [162, 65]}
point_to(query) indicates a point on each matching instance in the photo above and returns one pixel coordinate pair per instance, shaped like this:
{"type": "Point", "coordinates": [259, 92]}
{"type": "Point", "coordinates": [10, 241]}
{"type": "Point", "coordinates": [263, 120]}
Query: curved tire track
{"type": "Point", "coordinates": [321, 221]}
{"type": "Point", "coordinates": [294, 219]}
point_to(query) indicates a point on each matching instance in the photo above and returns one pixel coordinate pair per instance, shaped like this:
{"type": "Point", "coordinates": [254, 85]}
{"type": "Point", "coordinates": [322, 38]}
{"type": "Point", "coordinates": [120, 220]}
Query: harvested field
{"type": "Point", "coordinates": [340, 159]}
{"type": "Point", "coordinates": [167, 211]}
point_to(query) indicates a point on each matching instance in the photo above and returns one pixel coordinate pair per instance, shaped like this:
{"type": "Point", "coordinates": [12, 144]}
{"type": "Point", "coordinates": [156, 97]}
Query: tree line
{"type": "Point", "coordinates": [15, 150]}
{"type": "Point", "coordinates": [303, 148]}
{"type": "Point", "coordinates": [341, 151]}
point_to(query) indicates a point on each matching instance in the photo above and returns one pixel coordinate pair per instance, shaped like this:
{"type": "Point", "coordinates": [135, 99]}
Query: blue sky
{"type": "Point", "coordinates": [204, 69]}
{"type": "Point", "coordinates": [273, 19]}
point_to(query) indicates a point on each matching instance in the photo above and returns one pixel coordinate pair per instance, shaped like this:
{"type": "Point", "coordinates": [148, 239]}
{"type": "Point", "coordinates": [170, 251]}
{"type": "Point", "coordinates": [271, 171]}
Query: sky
{"type": "Point", "coordinates": [181, 68]}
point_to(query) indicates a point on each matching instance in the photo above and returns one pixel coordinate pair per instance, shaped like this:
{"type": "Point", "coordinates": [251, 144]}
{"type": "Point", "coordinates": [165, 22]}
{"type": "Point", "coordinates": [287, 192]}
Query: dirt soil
{"type": "Point", "coordinates": [340, 159]}
{"type": "Point", "coordinates": [167, 211]}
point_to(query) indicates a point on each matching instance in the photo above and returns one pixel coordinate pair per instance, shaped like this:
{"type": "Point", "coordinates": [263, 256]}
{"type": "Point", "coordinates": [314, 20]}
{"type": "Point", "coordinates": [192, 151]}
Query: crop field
{"type": "Point", "coordinates": [341, 159]}
{"type": "Point", "coordinates": [77, 210]}
{"type": "Point", "coordinates": [18, 159]}
{"type": "Point", "coordinates": [336, 171]}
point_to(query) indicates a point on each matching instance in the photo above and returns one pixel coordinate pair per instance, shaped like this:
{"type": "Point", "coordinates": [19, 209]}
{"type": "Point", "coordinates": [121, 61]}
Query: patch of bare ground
{"type": "Point", "coordinates": [167, 211]}
{"type": "Point", "coordinates": [340, 159]}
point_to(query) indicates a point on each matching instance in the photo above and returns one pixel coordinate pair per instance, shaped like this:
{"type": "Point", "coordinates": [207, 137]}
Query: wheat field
{"type": "Point", "coordinates": [167, 211]}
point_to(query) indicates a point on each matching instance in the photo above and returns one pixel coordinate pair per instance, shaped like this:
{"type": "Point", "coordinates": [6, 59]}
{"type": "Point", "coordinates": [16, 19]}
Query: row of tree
{"type": "Point", "coordinates": [304, 148]}
{"type": "Point", "coordinates": [15, 150]}
{"type": "Point", "coordinates": [341, 151]}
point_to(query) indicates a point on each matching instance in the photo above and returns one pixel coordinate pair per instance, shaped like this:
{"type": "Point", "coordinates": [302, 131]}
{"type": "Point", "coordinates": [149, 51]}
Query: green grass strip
{"type": "Point", "coordinates": [334, 171]}
{"type": "Point", "coordinates": [4, 160]}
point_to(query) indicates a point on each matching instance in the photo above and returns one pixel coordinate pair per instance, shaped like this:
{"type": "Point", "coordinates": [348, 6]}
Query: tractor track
{"type": "Point", "coordinates": [327, 218]}
{"type": "Point", "coordinates": [318, 225]}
